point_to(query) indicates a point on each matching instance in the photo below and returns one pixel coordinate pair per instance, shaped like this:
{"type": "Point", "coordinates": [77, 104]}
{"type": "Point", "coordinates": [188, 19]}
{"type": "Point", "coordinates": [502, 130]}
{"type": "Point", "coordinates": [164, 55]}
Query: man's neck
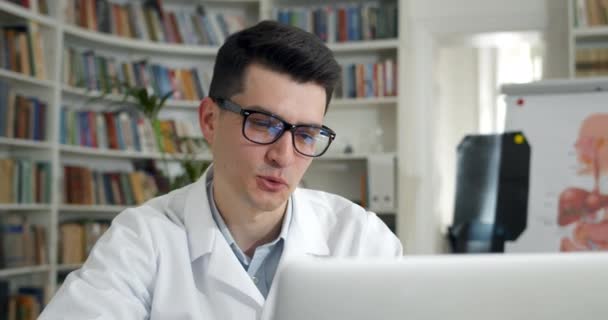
{"type": "Point", "coordinates": [249, 227]}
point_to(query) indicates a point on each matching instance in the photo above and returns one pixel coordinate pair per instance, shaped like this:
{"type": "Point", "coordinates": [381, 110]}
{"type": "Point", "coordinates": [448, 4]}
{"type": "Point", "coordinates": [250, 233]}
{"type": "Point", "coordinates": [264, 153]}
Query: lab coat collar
{"type": "Point", "coordinates": [306, 231]}
{"type": "Point", "coordinates": [305, 235]}
{"type": "Point", "coordinates": [200, 227]}
{"type": "Point", "coordinates": [205, 238]}
{"type": "Point", "coordinates": [305, 238]}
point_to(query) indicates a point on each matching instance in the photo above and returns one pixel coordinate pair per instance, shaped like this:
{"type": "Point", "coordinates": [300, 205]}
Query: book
{"type": "Point", "coordinates": [12, 240]}
{"type": "Point", "coordinates": [7, 168]}
{"type": "Point", "coordinates": [37, 56]}
{"type": "Point", "coordinates": [137, 182]}
{"type": "Point", "coordinates": [4, 100]}
{"type": "Point", "coordinates": [72, 247]}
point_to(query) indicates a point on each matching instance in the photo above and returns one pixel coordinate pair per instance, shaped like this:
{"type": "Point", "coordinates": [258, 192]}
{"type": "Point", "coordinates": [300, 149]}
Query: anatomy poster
{"type": "Point", "coordinates": [568, 199]}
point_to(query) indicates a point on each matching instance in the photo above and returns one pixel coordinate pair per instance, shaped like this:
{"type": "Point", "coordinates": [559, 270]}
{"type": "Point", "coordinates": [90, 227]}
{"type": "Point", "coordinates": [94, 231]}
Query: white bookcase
{"type": "Point", "coordinates": [364, 124]}
{"type": "Point", "coordinates": [584, 35]}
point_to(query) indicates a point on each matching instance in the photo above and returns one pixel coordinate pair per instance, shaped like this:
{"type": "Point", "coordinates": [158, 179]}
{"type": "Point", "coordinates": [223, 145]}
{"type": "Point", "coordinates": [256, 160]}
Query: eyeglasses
{"type": "Point", "coordinates": [265, 128]}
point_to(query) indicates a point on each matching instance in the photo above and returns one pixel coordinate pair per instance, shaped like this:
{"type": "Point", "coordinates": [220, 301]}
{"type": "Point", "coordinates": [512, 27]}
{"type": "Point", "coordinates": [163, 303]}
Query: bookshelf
{"type": "Point", "coordinates": [140, 45]}
{"type": "Point", "coordinates": [23, 271]}
{"type": "Point", "coordinates": [366, 125]}
{"type": "Point", "coordinates": [68, 267]}
{"type": "Point", "coordinates": [91, 209]}
{"type": "Point", "coordinates": [366, 102]}
{"type": "Point", "coordinates": [362, 46]}
{"type": "Point", "coordinates": [25, 207]}
{"type": "Point", "coordinates": [588, 38]}
{"type": "Point", "coordinates": [91, 94]}
{"type": "Point", "coordinates": [24, 143]}
{"type": "Point", "coordinates": [20, 78]}
{"type": "Point", "coordinates": [96, 152]}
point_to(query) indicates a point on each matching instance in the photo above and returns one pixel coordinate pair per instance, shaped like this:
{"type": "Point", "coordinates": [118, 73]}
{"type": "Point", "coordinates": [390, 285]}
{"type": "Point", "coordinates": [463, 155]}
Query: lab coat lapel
{"type": "Point", "coordinates": [198, 221]}
{"type": "Point", "coordinates": [306, 236]}
{"type": "Point", "coordinates": [204, 238]}
{"type": "Point", "coordinates": [225, 268]}
{"type": "Point", "coordinates": [304, 240]}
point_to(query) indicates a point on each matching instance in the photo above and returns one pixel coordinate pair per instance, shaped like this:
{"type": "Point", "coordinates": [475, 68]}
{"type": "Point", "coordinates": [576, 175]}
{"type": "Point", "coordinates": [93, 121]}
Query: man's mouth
{"type": "Point", "coordinates": [271, 184]}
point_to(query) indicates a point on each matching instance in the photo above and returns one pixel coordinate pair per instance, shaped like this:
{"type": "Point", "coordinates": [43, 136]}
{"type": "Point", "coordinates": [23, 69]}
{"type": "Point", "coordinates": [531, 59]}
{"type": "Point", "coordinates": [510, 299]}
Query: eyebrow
{"type": "Point", "coordinates": [260, 108]}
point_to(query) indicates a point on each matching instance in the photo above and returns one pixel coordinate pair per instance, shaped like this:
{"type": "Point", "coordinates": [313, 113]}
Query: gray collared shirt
{"type": "Point", "coordinates": [263, 265]}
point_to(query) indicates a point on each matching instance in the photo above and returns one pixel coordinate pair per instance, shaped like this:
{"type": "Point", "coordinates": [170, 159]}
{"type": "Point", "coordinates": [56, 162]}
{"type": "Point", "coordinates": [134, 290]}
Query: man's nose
{"type": "Point", "coordinates": [281, 153]}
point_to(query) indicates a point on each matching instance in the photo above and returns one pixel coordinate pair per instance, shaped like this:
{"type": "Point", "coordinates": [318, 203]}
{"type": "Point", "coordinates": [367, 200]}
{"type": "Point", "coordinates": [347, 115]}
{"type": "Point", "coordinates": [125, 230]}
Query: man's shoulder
{"type": "Point", "coordinates": [164, 210]}
{"type": "Point", "coordinates": [349, 228]}
{"type": "Point", "coordinates": [328, 205]}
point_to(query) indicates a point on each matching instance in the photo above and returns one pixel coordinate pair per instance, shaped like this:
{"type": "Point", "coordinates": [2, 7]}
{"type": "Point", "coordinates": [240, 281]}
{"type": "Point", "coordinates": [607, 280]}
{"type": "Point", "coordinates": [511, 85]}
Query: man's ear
{"type": "Point", "coordinates": [208, 115]}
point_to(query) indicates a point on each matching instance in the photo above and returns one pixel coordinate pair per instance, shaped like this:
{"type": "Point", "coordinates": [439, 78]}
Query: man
{"type": "Point", "coordinates": [211, 249]}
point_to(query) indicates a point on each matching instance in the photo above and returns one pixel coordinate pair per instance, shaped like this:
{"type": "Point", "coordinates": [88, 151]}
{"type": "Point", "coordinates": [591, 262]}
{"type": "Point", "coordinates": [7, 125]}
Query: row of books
{"type": "Point", "coordinates": [22, 50]}
{"type": "Point", "coordinates": [90, 187]}
{"type": "Point", "coordinates": [24, 304]}
{"type": "Point", "coordinates": [344, 22]}
{"type": "Point", "coordinates": [37, 6]}
{"type": "Point", "coordinates": [86, 69]}
{"type": "Point", "coordinates": [129, 131]}
{"type": "Point", "coordinates": [591, 62]}
{"type": "Point", "coordinates": [25, 181]}
{"type": "Point", "coordinates": [77, 238]}
{"type": "Point", "coordinates": [150, 21]}
{"type": "Point", "coordinates": [181, 136]}
{"type": "Point", "coordinates": [122, 130]}
{"type": "Point", "coordinates": [21, 116]}
{"type": "Point", "coordinates": [368, 80]}
{"type": "Point", "coordinates": [590, 13]}
{"type": "Point", "coordinates": [22, 243]}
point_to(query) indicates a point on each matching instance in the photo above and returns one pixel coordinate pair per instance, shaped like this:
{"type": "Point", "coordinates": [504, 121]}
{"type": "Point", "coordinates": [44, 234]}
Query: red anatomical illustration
{"type": "Point", "coordinates": [588, 209]}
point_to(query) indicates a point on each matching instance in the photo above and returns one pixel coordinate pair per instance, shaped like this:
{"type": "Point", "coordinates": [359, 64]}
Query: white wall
{"type": "Point", "coordinates": [556, 39]}
{"type": "Point", "coordinates": [479, 16]}
{"type": "Point", "coordinates": [457, 115]}
{"type": "Point", "coordinates": [427, 22]}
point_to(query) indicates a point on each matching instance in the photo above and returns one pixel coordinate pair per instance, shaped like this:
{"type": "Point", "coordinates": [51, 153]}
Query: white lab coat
{"type": "Point", "coordinates": [167, 259]}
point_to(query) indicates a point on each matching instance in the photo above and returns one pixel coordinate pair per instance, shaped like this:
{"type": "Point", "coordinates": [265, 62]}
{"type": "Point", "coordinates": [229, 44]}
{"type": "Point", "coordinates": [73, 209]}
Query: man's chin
{"type": "Point", "coordinates": [265, 202]}
{"type": "Point", "coordinates": [271, 205]}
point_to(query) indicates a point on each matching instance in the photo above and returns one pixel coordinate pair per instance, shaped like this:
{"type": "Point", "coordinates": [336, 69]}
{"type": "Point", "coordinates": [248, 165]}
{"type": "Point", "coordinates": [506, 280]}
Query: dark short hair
{"type": "Point", "coordinates": [278, 47]}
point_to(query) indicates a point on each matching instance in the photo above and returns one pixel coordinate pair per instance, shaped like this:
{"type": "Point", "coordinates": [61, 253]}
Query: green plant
{"type": "Point", "coordinates": [149, 104]}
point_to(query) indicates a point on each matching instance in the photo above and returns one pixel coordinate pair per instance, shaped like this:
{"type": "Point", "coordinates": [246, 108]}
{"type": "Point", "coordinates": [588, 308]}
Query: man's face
{"type": "Point", "coordinates": [263, 176]}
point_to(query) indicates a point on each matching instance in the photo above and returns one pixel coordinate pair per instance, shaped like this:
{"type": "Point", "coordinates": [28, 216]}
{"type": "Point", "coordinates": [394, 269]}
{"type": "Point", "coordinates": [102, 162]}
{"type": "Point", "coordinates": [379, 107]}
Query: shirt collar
{"type": "Point", "coordinates": [217, 217]}
{"type": "Point", "coordinates": [306, 235]}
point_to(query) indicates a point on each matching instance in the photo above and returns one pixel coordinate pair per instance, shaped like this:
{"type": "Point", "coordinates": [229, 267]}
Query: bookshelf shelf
{"type": "Point", "coordinates": [363, 102]}
{"type": "Point", "coordinates": [184, 104]}
{"type": "Point", "coordinates": [232, 1]}
{"type": "Point", "coordinates": [23, 271]}
{"type": "Point", "coordinates": [25, 207]}
{"type": "Point", "coordinates": [587, 36]}
{"type": "Point", "coordinates": [590, 32]}
{"type": "Point", "coordinates": [68, 267]}
{"type": "Point", "coordinates": [76, 208]}
{"type": "Point", "coordinates": [24, 143]}
{"type": "Point", "coordinates": [353, 156]}
{"type": "Point", "coordinates": [126, 154]}
{"type": "Point", "coordinates": [27, 14]}
{"type": "Point", "coordinates": [11, 75]}
{"type": "Point", "coordinates": [135, 44]}
{"type": "Point", "coordinates": [80, 92]}
{"type": "Point", "coordinates": [371, 45]}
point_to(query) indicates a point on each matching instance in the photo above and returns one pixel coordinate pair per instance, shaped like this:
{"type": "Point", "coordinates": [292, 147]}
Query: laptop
{"type": "Point", "coordinates": [450, 287]}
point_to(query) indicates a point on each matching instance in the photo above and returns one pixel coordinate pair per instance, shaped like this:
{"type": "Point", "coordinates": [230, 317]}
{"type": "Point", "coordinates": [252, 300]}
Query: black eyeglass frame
{"type": "Point", "coordinates": [234, 107]}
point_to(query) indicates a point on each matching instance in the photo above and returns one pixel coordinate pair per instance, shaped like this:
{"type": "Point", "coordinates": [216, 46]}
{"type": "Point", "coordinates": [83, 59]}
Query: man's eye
{"type": "Point", "coordinates": [306, 138]}
{"type": "Point", "coordinates": [261, 123]}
